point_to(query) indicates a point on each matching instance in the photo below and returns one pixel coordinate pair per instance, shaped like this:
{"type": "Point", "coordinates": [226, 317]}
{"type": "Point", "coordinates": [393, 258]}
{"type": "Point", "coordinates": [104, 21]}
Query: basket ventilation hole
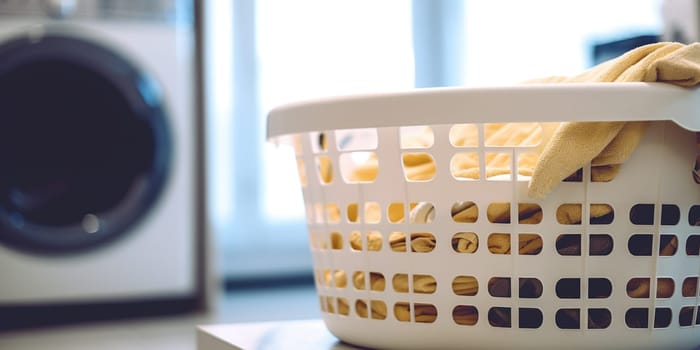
{"type": "Point", "coordinates": [396, 212]}
{"type": "Point", "coordinates": [526, 165]}
{"type": "Point", "coordinates": [416, 136]}
{"type": "Point", "coordinates": [464, 166]}
{"type": "Point", "coordinates": [601, 214]}
{"type": "Point", "coordinates": [332, 213]}
{"type": "Point", "coordinates": [319, 142]}
{"type": "Point", "coordinates": [568, 318]}
{"type": "Point", "coordinates": [662, 317]}
{"type": "Point", "coordinates": [400, 283]}
{"type": "Point", "coordinates": [569, 245]}
{"type": "Point", "coordinates": [353, 213]}
{"type": "Point", "coordinates": [529, 288]}
{"type": "Point", "coordinates": [336, 240]}
{"type": "Point", "coordinates": [464, 135]}
{"type": "Point", "coordinates": [529, 244]}
{"type": "Point", "coordinates": [402, 311]}
{"type": "Point", "coordinates": [424, 284]}
{"type": "Point", "coordinates": [378, 309]}
{"type": "Point", "coordinates": [499, 317]}
{"type": "Point", "coordinates": [499, 287]}
{"type": "Point", "coordinates": [637, 318]}
{"type": "Point", "coordinates": [499, 243]}
{"type": "Point", "coordinates": [374, 241]}
{"type": "Point", "coordinates": [418, 166]}
{"type": "Point", "coordinates": [692, 245]}
{"type": "Point", "coordinates": [325, 169]}
{"type": "Point", "coordinates": [373, 213]}
{"type": "Point", "coordinates": [355, 239]}
{"type": "Point", "coordinates": [421, 213]}
{"type": "Point", "coordinates": [465, 315]}
{"type": "Point", "coordinates": [604, 173]}
{"type": "Point", "coordinates": [670, 214]}
{"type": "Point", "coordinates": [529, 214]}
{"type": "Point", "coordinates": [569, 288]}
{"type": "Point", "coordinates": [465, 212]}
{"type": "Point", "coordinates": [576, 176]}
{"type": "Point", "coordinates": [569, 214]}
{"type": "Point", "coordinates": [327, 277]}
{"type": "Point", "coordinates": [397, 241]}
{"type": "Point", "coordinates": [377, 282]}
{"type": "Point", "coordinates": [422, 242]}
{"type": "Point", "coordinates": [330, 301]}
{"type": "Point", "coordinates": [498, 167]}
{"type": "Point", "coordinates": [359, 167]}
{"type": "Point", "coordinates": [529, 318]}
{"type": "Point", "coordinates": [640, 245]}
{"type": "Point", "coordinates": [642, 214]}
{"type": "Point", "coordinates": [424, 313]}
{"type": "Point", "coordinates": [512, 134]}
{"type": "Point", "coordinates": [599, 318]}
{"type": "Point", "coordinates": [668, 245]}
{"type": "Point", "coordinates": [343, 306]}
{"type": "Point", "coordinates": [340, 278]}
{"type": "Point", "coordinates": [465, 242]}
{"type": "Point", "coordinates": [498, 213]}
{"type": "Point", "coordinates": [638, 287]}
{"type": "Point", "coordinates": [600, 244]}
{"type": "Point", "coordinates": [358, 280]}
{"type": "Point", "coordinates": [599, 288]}
{"type": "Point", "coordinates": [694, 216]}
{"type": "Point", "coordinates": [685, 317]}
{"type": "Point", "coordinates": [465, 285]}
{"type": "Point", "coordinates": [361, 308]}
{"type": "Point", "coordinates": [690, 287]}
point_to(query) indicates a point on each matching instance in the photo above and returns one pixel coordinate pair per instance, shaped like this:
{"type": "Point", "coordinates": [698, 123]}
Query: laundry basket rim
{"type": "Point", "coordinates": [493, 104]}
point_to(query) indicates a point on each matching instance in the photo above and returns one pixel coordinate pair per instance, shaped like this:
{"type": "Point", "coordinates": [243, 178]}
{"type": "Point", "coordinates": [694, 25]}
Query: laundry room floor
{"type": "Point", "coordinates": [172, 333]}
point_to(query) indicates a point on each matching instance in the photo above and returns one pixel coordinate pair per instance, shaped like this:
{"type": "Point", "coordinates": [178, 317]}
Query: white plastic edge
{"type": "Point", "coordinates": [518, 103]}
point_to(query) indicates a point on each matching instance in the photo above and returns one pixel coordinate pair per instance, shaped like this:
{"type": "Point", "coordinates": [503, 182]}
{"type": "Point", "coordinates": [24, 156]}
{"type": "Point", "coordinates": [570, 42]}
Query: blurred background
{"type": "Point", "coordinates": [208, 224]}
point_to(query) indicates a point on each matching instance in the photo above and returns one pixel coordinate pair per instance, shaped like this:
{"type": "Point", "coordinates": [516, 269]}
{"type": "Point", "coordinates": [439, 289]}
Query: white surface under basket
{"type": "Point", "coordinates": [582, 300]}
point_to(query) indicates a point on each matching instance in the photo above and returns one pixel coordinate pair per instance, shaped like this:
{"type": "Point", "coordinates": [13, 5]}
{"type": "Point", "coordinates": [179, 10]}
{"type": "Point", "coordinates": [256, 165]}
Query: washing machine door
{"type": "Point", "coordinates": [84, 144]}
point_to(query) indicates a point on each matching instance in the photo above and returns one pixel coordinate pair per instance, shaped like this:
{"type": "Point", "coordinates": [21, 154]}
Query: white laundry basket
{"type": "Point", "coordinates": [369, 293]}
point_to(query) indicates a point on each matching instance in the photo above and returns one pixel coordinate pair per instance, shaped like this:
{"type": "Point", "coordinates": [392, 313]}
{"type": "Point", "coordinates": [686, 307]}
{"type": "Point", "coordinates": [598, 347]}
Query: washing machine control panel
{"type": "Point", "coordinates": [164, 10]}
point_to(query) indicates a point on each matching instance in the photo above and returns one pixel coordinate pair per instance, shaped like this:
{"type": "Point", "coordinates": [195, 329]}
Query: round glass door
{"type": "Point", "coordinates": [84, 144]}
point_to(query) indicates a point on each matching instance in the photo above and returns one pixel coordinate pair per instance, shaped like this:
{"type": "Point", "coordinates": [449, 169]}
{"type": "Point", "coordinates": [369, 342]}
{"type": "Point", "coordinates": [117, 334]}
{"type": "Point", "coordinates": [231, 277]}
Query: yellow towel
{"type": "Point", "coordinates": [609, 144]}
{"type": "Point", "coordinates": [564, 147]}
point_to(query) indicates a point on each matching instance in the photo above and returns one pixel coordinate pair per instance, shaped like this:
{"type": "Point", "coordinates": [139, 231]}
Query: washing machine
{"type": "Point", "coordinates": [101, 160]}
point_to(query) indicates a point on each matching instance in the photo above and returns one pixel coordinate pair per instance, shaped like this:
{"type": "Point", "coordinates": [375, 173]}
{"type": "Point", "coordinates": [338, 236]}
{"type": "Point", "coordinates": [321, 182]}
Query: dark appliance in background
{"type": "Point", "coordinates": [681, 23]}
{"type": "Point", "coordinates": [101, 160]}
{"type": "Point", "coordinates": [605, 51]}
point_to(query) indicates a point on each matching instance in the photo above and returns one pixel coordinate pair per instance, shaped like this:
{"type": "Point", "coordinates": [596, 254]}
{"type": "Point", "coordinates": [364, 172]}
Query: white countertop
{"type": "Point", "coordinates": [302, 334]}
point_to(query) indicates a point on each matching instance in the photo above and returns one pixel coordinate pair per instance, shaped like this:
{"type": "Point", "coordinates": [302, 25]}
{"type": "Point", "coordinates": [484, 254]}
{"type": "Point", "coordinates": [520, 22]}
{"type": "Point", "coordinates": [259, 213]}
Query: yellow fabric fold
{"type": "Point", "coordinates": [609, 144]}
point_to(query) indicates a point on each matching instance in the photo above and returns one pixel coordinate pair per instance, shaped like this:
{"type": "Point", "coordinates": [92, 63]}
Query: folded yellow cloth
{"type": "Point", "coordinates": [609, 144]}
